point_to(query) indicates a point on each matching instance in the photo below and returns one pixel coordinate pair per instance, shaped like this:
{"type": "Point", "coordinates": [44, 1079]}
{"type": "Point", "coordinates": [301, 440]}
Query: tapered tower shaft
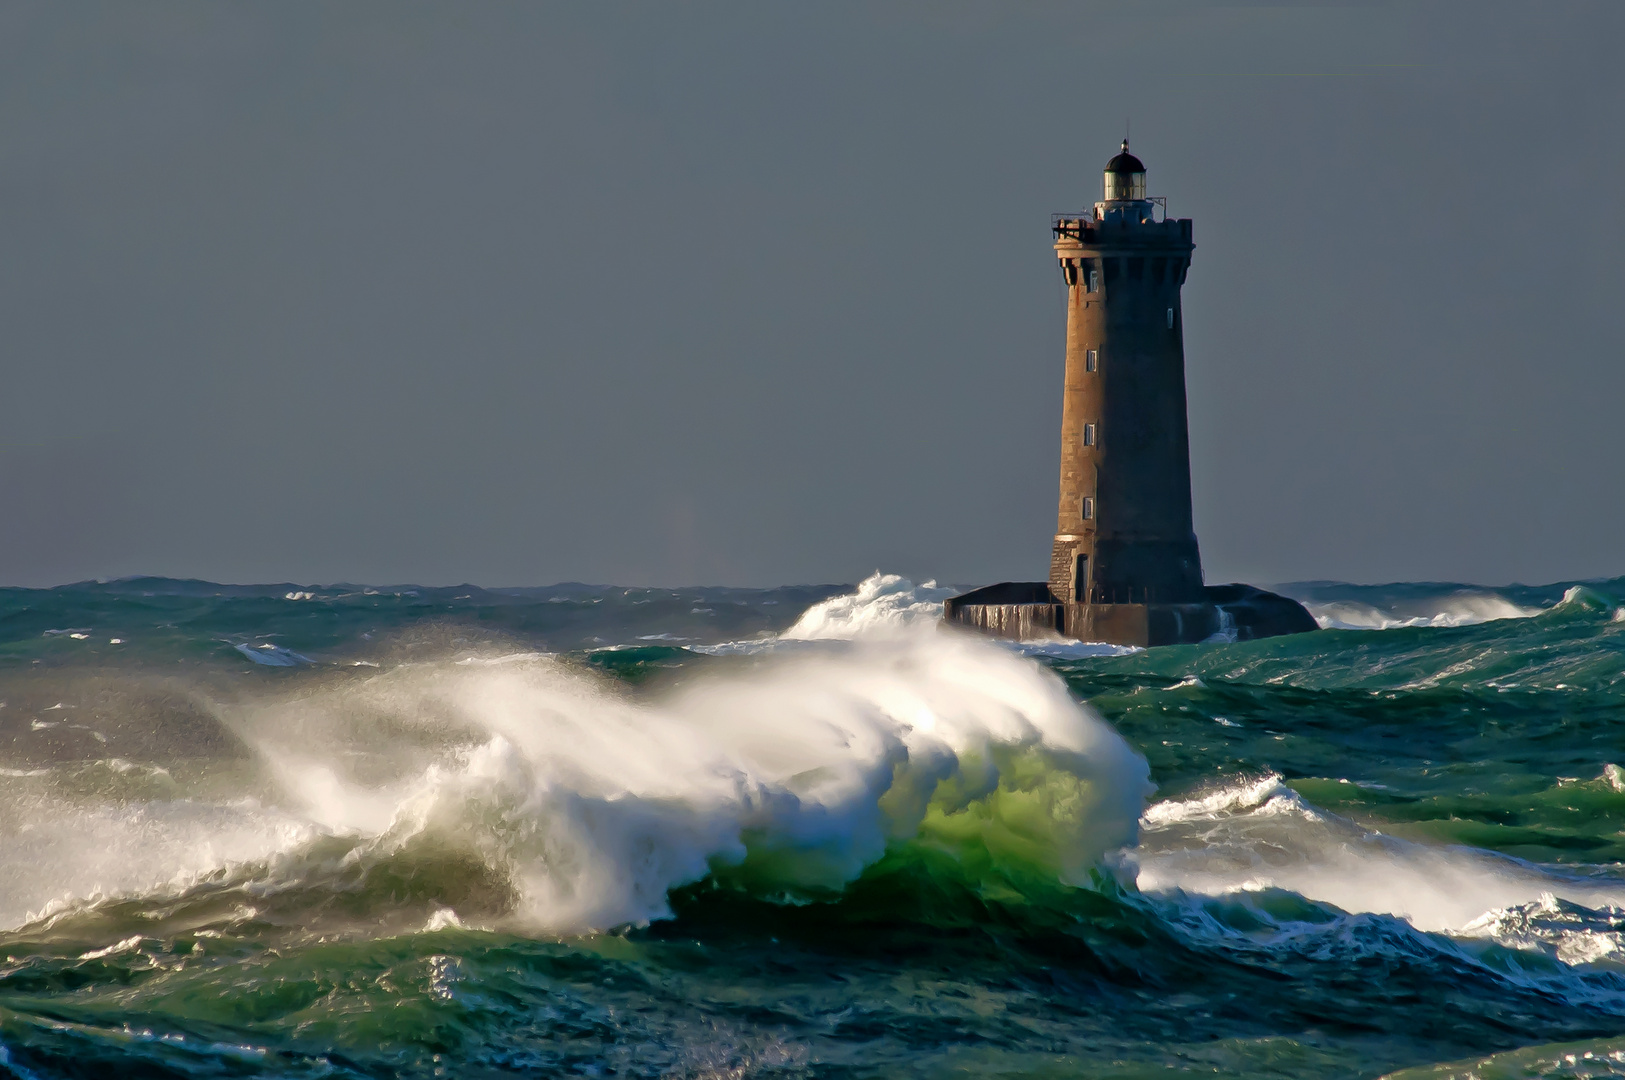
{"type": "Point", "coordinates": [1123, 531]}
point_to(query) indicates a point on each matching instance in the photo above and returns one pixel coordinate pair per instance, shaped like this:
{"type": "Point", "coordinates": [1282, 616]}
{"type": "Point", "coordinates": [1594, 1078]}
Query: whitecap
{"type": "Point", "coordinates": [889, 605]}
{"type": "Point", "coordinates": [882, 603]}
{"type": "Point", "coordinates": [269, 655]}
{"type": "Point", "coordinates": [1458, 609]}
{"type": "Point", "coordinates": [1257, 833]}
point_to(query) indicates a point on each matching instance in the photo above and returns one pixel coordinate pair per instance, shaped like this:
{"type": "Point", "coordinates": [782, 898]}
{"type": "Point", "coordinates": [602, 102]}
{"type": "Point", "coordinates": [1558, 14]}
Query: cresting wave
{"type": "Point", "coordinates": [888, 605]}
{"type": "Point", "coordinates": [1464, 609]}
{"type": "Point", "coordinates": [882, 603]}
{"type": "Point", "coordinates": [1257, 835]}
{"type": "Point", "coordinates": [584, 804]}
{"type": "Point", "coordinates": [1440, 606]}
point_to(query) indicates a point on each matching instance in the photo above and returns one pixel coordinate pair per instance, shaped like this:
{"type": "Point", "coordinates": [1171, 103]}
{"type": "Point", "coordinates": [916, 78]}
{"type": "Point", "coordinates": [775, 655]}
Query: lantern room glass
{"type": "Point", "coordinates": [1125, 186]}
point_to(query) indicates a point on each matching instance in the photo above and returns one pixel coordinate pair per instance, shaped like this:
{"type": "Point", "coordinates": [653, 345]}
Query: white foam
{"type": "Point", "coordinates": [882, 603]}
{"type": "Point", "coordinates": [442, 918]}
{"type": "Point", "coordinates": [1246, 795]}
{"type": "Point", "coordinates": [1227, 632]}
{"type": "Point", "coordinates": [269, 655]}
{"type": "Point", "coordinates": [1258, 834]}
{"type": "Point", "coordinates": [1459, 609]}
{"type": "Point", "coordinates": [593, 802]}
{"type": "Point", "coordinates": [57, 854]}
{"type": "Point", "coordinates": [887, 605]}
{"type": "Point", "coordinates": [1562, 930]}
{"type": "Point", "coordinates": [129, 944]}
{"type": "Point", "coordinates": [1068, 648]}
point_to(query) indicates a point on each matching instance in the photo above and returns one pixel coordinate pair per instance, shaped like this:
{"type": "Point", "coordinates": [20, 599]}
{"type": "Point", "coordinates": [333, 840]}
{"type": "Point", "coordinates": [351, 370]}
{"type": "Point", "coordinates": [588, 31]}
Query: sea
{"type": "Point", "coordinates": [599, 831]}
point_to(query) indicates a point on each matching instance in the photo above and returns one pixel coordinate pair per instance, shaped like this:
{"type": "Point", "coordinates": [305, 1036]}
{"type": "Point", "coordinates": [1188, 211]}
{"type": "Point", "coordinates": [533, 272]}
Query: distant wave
{"type": "Point", "coordinates": [1394, 607]}
{"type": "Point", "coordinates": [1462, 609]}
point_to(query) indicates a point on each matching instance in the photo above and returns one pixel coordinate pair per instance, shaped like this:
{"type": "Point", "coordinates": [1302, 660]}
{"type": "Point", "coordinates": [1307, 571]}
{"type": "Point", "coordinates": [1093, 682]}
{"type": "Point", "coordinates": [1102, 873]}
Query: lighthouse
{"type": "Point", "coordinates": [1123, 531]}
{"type": "Point", "coordinates": [1125, 566]}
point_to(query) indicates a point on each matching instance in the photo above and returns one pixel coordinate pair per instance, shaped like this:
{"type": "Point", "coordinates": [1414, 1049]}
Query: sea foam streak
{"type": "Point", "coordinates": [1258, 834]}
{"type": "Point", "coordinates": [590, 802]}
{"type": "Point", "coordinates": [59, 853]}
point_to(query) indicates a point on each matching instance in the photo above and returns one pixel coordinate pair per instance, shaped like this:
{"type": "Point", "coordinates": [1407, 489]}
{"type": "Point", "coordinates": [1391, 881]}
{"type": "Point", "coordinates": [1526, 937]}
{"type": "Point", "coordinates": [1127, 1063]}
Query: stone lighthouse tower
{"type": "Point", "coordinates": [1125, 566]}
{"type": "Point", "coordinates": [1123, 531]}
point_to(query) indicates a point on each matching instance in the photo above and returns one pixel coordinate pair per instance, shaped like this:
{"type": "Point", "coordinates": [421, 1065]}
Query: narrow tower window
{"type": "Point", "coordinates": [1088, 509]}
{"type": "Point", "coordinates": [1080, 578]}
{"type": "Point", "coordinates": [1091, 359]}
{"type": "Point", "coordinates": [1170, 318]}
{"type": "Point", "coordinates": [1094, 277]}
{"type": "Point", "coordinates": [1088, 434]}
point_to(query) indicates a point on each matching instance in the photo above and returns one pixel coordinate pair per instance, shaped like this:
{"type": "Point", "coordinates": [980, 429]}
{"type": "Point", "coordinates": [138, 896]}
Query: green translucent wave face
{"type": "Point", "coordinates": [1018, 813]}
{"type": "Point", "coordinates": [1515, 813]}
{"type": "Point", "coordinates": [1503, 736]}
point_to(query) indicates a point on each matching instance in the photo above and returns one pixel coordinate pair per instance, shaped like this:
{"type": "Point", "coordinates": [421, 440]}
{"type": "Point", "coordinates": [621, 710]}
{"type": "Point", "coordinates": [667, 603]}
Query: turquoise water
{"type": "Point", "coordinates": [295, 831]}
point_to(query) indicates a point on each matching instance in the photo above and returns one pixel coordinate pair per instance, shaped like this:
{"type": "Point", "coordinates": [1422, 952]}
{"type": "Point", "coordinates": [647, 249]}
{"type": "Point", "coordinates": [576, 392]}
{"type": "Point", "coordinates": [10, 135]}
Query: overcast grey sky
{"type": "Point", "coordinates": [763, 292]}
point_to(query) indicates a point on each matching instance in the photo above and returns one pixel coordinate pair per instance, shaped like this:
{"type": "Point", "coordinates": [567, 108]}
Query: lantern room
{"type": "Point", "coordinates": [1125, 177]}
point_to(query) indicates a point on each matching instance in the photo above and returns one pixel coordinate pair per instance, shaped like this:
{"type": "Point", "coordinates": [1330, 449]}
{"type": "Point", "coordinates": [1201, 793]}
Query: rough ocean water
{"type": "Point", "coordinates": [794, 832]}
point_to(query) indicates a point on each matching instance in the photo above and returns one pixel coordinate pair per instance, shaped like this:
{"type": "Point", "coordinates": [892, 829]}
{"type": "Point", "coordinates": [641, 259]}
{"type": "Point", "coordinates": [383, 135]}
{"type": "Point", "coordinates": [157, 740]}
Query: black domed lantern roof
{"type": "Point", "coordinates": [1125, 177]}
{"type": "Point", "coordinates": [1125, 162]}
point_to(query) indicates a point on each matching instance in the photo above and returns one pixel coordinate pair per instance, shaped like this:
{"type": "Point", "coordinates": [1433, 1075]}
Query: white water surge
{"type": "Point", "coordinates": [591, 801]}
{"type": "Point", "coordinates": [887, 605]}
{"type": "Point", "coordinates": [1460, 609]}
{"type": "Point", "coordinates": [1258, 834]}
{"type": "Point", "coordinates": [883, 603]}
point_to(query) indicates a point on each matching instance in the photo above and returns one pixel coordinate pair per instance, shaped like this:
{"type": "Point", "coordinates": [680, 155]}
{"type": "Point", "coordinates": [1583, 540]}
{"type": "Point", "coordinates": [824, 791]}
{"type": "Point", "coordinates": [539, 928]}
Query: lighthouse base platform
{"type": "Point", "coordinates": [1029, 611]}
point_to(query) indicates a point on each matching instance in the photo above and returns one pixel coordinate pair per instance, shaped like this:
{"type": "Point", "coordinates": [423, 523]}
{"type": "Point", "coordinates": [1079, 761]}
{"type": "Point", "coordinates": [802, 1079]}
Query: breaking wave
{"type": "Point", "coordinates": [888, 605]}
{"type": "Point", "coordinates": [1464, 609]}
{"type": "Point", "coordinates": [582, 804]}
{"type": "Point", "coordinates": [1256, 836]}
{"type": "Point", "coordinates": [882, 603]}
{"type": "Point", "coordinates": [1348, 607]}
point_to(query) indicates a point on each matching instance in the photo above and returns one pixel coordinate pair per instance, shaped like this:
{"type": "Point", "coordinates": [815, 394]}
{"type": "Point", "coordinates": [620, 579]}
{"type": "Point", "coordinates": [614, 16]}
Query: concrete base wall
{"type": "Point", "coordinates": [1023, 610]}
{"type": "Point", "coordinates": [1020, 622]}
{"type": "Point", "coordinates": [1026, 611]}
